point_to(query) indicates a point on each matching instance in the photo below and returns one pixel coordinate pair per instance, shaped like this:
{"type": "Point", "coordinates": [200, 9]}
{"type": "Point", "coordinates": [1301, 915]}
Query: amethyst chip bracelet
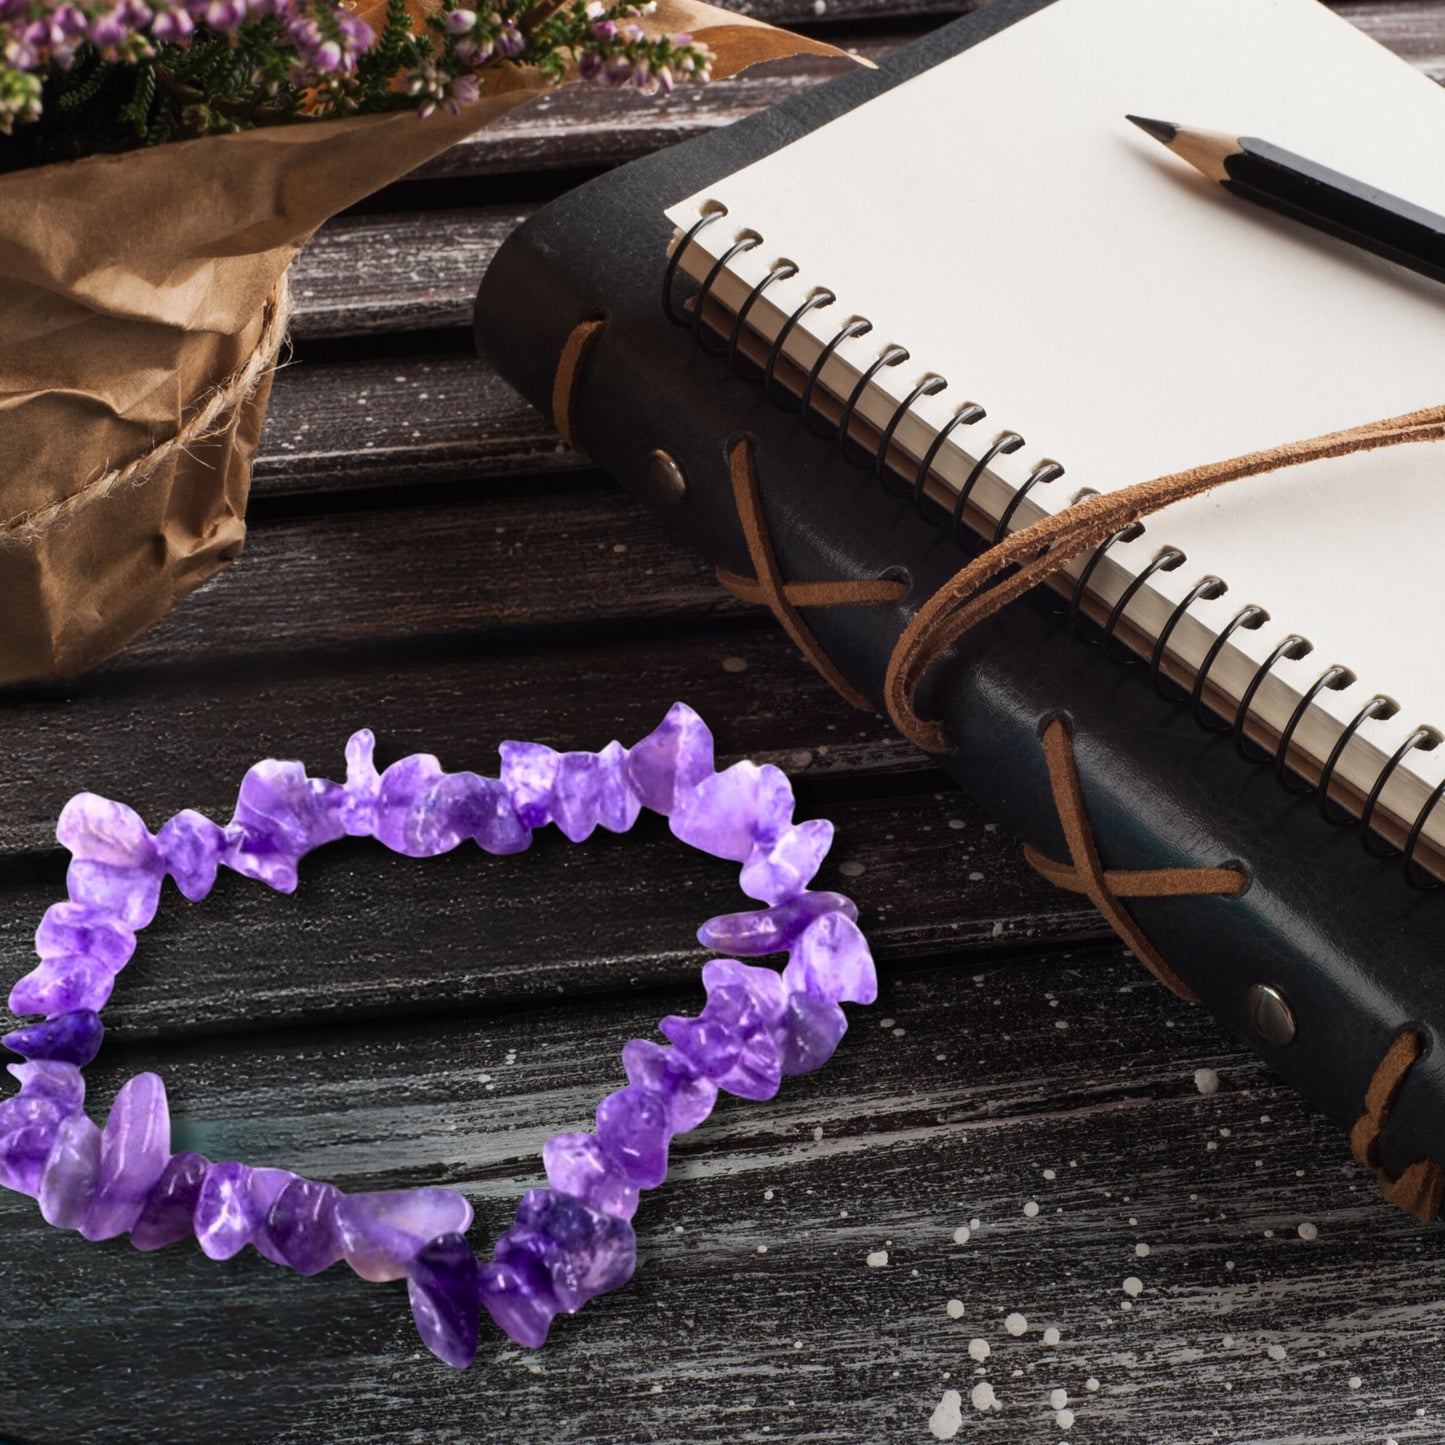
{"type": "Point", "coordinates": [570, 1241]}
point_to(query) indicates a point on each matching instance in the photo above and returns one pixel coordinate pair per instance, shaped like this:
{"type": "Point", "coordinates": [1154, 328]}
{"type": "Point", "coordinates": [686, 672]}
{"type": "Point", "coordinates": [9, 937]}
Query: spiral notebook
{"type": "Point", "coordinates": [1116, 317]}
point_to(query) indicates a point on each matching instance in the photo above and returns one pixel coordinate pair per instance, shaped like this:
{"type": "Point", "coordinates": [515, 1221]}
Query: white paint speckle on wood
{"type": "Point", "coordinates": [947, 1417]}
{"type": "Point", "coordinates": [1051, 1337]}
{"type": "Point", "coordinates": [1031, 1210]}
{"type": "Point", "coordinates": [979, 1350]}
{"type": "Point", "coordinates": [1206, 1081]}
{"type": "Point", "coordinates": [1133, 1286]}
{"type": "Point", "coordinates": [1016, 1324]}
{"type": "Point", "coordinates": [955, 1309]}
{"type": "Point", "coordinates": [877, 1259]}
{"type": "Point", "coordinates": [1064, 1419]}
{"type": "Point", "coordinates": [960, 1235]}
{"type": "Point", "coordinates": [1275, 1352]}
{"type": "Point", "coordinates": [983, 1397]}
{"type": "Point", "coordinates": [1308, 1231]}
{"type": "Point", "coordinates": [1058, 1399]}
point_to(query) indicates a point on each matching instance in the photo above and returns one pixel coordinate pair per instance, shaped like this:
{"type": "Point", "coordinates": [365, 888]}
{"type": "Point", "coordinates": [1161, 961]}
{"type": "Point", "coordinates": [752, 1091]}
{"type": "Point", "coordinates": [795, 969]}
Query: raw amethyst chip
{"type": "Point", "coordinates": [191, 845]}
{"type": "Point", "coordinates": [135, 1147]}
{"type": "Point", "coordinates": [686, 1097]}
{"type": "Point", "coordinates": [75, 928]}
{"type": "Point", "coordinates": [168, 1214]}
{"type": "Point", "coordinates": [731, 812]}
{"type": "Point", "coordinates": [811, 1031]}
{"type": "Point", "coordinates": [781, 870]}
{"type": "Point", "coordinates": [480, 808]}
{"type": "Point", "coordinates": [67, 984]}
{"type": "Point", "coordinates": [770, 930]}
{"type": "Point", "coordinates": [70, 1173]}
{"type": "Point", "coordinates": [519, 1299]}
{"type": "Point", "coordinates": [832, 961]}
{"type": "Point", "coordinates": [632, 1129]}
{"type": "Point", "coordinates": [583, 1251]}
{"type": "Point", "coordinates": [444, 1282]}
{"type": "Point", "coordinates": [529, 771]}
{"type": "Point", "coordinates": [301, 1228]}
{"type": "Point", "coordinates": [72, 1038]}
{"type": "Point", "coordinates": [577, 1165]}
{"type": "Point", "coordinates": [671, 760]}
{"type": "Point", "coordinates": [381, 1233]}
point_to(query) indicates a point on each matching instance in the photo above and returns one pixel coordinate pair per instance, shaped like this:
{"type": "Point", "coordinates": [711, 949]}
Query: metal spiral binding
{"type": "Point", "coordinates": [969, 414]}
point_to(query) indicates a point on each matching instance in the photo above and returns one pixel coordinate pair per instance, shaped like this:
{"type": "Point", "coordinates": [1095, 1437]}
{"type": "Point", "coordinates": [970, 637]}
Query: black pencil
{"type": "Point", "coordinates": [1356, 212]}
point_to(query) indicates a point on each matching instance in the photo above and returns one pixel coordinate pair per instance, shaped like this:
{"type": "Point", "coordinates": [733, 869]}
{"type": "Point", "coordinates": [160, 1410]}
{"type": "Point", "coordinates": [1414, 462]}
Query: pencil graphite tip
{"type": "Point", "coordinates": [1163, 131]}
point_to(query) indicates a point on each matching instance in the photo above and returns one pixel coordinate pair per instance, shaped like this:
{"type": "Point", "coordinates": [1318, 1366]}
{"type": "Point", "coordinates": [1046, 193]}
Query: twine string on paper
{"type": "Point", "coordinates": [215, 412]}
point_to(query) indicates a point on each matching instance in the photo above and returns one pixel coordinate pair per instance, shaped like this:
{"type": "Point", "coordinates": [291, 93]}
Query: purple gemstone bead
{"type": "Point", "coordinates": [480, 808]}
{"type": "Point", "coordinates": [70, 1174]}
{"type": "Point", "coordinates": [232, 1207]}
{"type": "Point", "coordinates": [23, 1152]}
{"type": "Point", "coordinates": [168, 1214]}
{"type": "Point", "coordinates": [731, 1043]}
{"type": "Point", "coordinates": [190, 846]}
{"type": "Point", "coordinates": [381, 1233]}
{"type": "Point", "coordinates": [363, 785]}
{"type": "Point", "coordinates": [618, 805]}
{"type": "Point", "coordinates": [62, 985]}
{"type": "Point", "coordinates": [57, 1080]}
{"type": "Point", "coordinates": [281, 815]}
{"type": "Point", "coordinates": [72, 1038]}
{"type": "Point", "coordinates": [96, 830]}
{"type": "Point", "coordinates": [811, 1031]}
{"type": "Point", "coordinates": [129, 895]}
{"type": "Point", "coordinates": [519, 1300]}
{"type": "Point", "coordinates": [529, 772]}
{"type": "Point", "coordinates": [782, 871]}
{"type": "Point", "coordinates": [831, 961]}
{"type": "Point", "coordinates": [301, 1229]}
{"type": "Point", "coordinates": [770, 930]}
{"type": "Point", "coordinates": [408, 820]}
{"type": "Point", "coordinates": [577, 1165]}
{"type": "Point", "coordinates": [582, 1251]}
{"type": "Point", "coordinates": [671, 760]}
{"type": "Point", "coordinates": [444, 1282]}
{"type": "Point", "coordinates": [686, 1097]}
{"type": "Point", "coordinates": [115, 866]}
{"type": "Point", "coordinates": [73, 928]}
{"type": "Point", "coordinates": [576, 795]}
{"type": "Point", "coordinates": [730, 812]}
{"type": "Point", "coordinates": [134, 1150]}
{"type": "Point", "coordinates": [763, 986]}
{"type": "Point", "coordinates": [632, 1130]}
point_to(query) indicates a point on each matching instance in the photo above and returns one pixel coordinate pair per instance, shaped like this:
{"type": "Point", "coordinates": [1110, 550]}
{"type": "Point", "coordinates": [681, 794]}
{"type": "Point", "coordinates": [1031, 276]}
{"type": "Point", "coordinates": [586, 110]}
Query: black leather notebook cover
{"type": "Point", "coordinates": [1339, 933]}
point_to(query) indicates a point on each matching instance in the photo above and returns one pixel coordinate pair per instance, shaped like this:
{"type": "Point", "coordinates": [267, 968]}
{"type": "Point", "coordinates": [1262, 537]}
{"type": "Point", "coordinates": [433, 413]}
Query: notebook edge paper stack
{"type": "Point", "coordinates": [1334, 931]}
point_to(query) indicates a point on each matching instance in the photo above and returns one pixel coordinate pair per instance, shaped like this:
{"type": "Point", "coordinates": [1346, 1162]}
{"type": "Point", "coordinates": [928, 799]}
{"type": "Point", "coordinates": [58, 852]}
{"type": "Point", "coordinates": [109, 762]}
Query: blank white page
{"type": "Point", "coordinates": [999, 218]}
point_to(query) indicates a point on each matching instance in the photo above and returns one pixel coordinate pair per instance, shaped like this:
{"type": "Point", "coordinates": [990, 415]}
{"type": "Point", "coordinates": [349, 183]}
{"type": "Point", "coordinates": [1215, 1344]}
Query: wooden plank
{"type": "Point", "coordinates": [353, 424]}
{"type": "Point", "coordinates": [901, 1141]}
{"type": "Point", "coordinates": [580, 559]}
{"type": "Point", "coordinates": [370, 933]}
{"type": "Point", "coordinates": [761, 698]}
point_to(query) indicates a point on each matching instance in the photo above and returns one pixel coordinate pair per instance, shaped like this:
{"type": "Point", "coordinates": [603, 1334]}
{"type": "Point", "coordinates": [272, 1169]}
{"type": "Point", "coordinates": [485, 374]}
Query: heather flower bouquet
{"type": "Point", "coordinates": [160, 165]}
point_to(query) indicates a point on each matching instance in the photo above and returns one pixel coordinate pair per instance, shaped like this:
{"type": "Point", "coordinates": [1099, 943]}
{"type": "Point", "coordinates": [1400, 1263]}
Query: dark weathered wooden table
{"type": "Point", "coordinates": [1016, 1124]}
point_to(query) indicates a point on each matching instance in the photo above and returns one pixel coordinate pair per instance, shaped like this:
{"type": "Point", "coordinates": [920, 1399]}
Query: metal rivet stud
{"type": "Point", "coordinates": [667, 477]}
{"type": "Point", "coordinates": [1270, 1014]}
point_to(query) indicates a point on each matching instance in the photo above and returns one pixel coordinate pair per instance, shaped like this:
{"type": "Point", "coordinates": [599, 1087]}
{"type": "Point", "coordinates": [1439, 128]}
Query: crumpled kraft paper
{"type": "Point", "coordinates": [132, 287]}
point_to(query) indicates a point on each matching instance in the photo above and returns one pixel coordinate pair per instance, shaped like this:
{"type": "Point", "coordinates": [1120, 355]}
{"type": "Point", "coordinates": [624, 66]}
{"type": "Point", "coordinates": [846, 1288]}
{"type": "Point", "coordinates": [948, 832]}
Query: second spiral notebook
{"type": "Point", "coordinates": [996, 224]}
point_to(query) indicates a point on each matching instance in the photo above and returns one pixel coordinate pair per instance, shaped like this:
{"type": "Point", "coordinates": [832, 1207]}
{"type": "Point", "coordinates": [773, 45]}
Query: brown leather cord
{"type": "Point", "coordinates": [1420, 1187]}
{"type": "Point", "coordinates": [786, 597]}
{"type": "Point", "coordinates": [569, 373]}
{"type": "Point", "coordinates": [1048, 546]}
{"type": "Point", "coordinates": [1085, 872]}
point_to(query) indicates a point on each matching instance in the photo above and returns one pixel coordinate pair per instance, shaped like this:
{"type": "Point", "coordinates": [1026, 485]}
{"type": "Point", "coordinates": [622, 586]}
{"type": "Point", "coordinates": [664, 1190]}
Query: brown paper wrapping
{"type": "Point", "coordinates": [134, 291]}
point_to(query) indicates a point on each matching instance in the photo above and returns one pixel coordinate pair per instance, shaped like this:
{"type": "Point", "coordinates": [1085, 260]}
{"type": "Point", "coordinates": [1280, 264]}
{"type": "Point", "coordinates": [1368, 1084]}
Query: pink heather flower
{"type": "Point", "coordinates": [605, 29]}
{"type": "Point", "coordinates": [618, 71]}
{"type": "Point", "coordinates": [589, 65]}
{"type": "Point", "coordinates": [664, 79]}
{"type": "Point", "coordinates": [20, 56]}
{"type": "Point", "coordinates": [172, 25]}
{"type": "Point", "coordinates": [226, 15]}
{"type": "Point", "coordinates": [356, 34]}
{"type": "Point", "coordinates": [134, 14]}
{"type": "Point", "coordinates": [426, 109]}
{"type": "Point", "coordinates": [473, 52]}
{"type": "Point", "coordinates": [463, 90]}
{"type": "Point", "coordinates": [105, 31]}
{"type": "Point", "coordinates": [70, 20]}
{"type": "Point", "coordinates": [595, 9]}
{"type": "Point", "coordinates": [328, 57]}
{"type": "Point", "coordinates": [458, 22]}
{"type": "Point", "coordinates": [511, 42]}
